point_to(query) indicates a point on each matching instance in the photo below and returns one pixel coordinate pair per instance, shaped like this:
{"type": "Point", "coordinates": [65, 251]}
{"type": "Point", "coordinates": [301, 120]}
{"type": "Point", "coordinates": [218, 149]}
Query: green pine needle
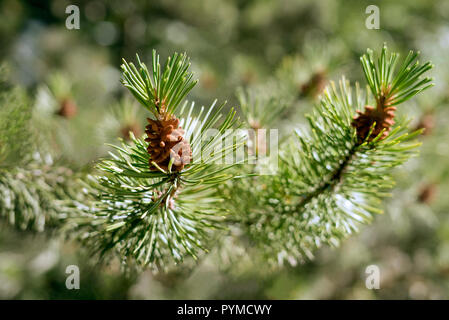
{"type": "Point", "coordinates": [157, 218]}
{"type": "Point", "coordinates": [162, 90]}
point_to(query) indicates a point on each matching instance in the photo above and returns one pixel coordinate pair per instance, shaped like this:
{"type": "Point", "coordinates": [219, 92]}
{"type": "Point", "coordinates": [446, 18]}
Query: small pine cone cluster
{"type": "Point", "coordinates": [166, 141]}
{"type": "Point", "coordinates": [382, 116]}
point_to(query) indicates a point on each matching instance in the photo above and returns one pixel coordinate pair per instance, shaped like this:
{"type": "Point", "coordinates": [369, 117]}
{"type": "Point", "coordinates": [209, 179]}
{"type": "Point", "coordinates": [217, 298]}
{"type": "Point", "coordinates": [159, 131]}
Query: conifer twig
{"type": "Point", "coordinates": [335, 175]}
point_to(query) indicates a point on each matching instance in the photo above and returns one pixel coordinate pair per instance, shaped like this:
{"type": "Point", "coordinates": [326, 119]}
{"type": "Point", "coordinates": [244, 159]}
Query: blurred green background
{"type": "Point", "coordinates": [72, 77]}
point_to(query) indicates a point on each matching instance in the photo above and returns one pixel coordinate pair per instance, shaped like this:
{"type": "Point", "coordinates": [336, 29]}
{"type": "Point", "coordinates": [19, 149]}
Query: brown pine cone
{"type": "Point", "coordinates": [383, 118]}
{"type": "Point", "coordinates": [427, 193]}
{"type": "Point", "coordinates": [165, 141]}
{"type": "Point", "coordinates": [68, 108]}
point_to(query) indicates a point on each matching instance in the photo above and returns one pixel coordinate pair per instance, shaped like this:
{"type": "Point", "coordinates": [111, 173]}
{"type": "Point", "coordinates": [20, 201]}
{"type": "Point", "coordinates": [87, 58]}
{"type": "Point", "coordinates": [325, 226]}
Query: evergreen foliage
{"type": "Point", "coordinates": [329, 181]}
{"type": "Point", "coordinates": [159, 217]}
{"type": "Point", "coordinates": [33, 190]}
{"type": "Point", "coordinates": [331, 178]}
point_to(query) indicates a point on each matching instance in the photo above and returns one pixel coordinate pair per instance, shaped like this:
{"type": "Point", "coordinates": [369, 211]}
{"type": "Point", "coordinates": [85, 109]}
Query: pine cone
{"type": "Point", "coordinates": [427, 193]}
{"type": "Point", "coordinates": [383, 116]}
{"type": "Point", "coordinates": [68, 108]}
{"type": "Point", "coordinates": [166, 141]}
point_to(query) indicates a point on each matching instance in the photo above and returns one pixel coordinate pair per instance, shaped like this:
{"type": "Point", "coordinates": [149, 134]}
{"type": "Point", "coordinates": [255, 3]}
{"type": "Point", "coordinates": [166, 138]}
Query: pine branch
{"type": "Point", "coordinates": [331, 179]}
{"type": "Point", "coordinates": [36, 197]}
{"type": "Point", "coordinates": [33, 191]}
{"type": "Point", "coordinates": [15, 124]}
{"type": "Point", "coordinates": [148, 211]}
